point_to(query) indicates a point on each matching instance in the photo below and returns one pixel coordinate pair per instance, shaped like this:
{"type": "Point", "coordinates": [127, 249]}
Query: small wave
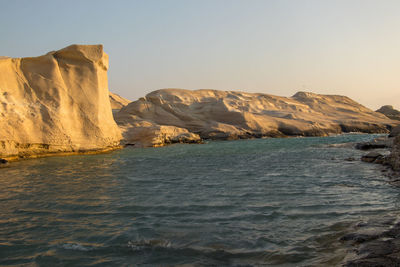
{"type": "Point", "coordinates": [75, 246]}
{"type": "Point", "coordinates": [148, 244]}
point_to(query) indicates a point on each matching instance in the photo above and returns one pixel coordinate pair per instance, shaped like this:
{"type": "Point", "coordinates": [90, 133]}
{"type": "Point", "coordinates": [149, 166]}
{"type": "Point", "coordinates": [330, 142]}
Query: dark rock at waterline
{"type": "Point", "coordinates": [350, 159]}
{"type": "Point", "coordinates": [375, 243]}
{"type": "Point", "coordinates": [357, 237]}
{"type": "Point", "coordinates": [372, 157]}
{"type": "Point", "coordinates": [3, 163]}
{"type": "Point", "coordinates": [374, 262]}
{"type": "Point", "coordinates": [395, 131]}
{"type": "Point", "coordinates": [379, 252]}
{"type": "Point", "coordinates": [371, 145]}
{"type": "Point", "coordinates": [394, 158]}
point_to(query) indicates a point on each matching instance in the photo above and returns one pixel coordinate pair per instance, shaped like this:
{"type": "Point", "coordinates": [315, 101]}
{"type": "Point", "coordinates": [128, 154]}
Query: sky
{"type": "Point", "coordinates": [279, 47]}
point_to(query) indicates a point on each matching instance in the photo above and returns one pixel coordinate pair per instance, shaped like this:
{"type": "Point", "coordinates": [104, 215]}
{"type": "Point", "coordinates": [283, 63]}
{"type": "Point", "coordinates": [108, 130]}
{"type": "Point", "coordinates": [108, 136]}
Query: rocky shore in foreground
{"type": "Point", "coordinates": [377, 243]}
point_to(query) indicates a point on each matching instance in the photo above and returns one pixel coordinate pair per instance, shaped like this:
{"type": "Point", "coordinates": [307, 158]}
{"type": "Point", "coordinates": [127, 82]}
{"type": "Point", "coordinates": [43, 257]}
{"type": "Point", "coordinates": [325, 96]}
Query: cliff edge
{"type": "Point", "coordinates": [56, 103]}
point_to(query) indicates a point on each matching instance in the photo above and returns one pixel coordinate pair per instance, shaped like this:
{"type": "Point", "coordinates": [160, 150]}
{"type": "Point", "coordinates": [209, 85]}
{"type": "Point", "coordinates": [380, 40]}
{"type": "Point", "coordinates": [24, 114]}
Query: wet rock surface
{"type": "Point", "coordinates": [395, 132]}
{"type": "Point", "coordinates": [4, 163]}
{"type": "Point", "coordinates": [381, 142]}
{"type": "Point", "coordinates": [375, 243]}
{"type": "Point", "coordinates": [372, 157]}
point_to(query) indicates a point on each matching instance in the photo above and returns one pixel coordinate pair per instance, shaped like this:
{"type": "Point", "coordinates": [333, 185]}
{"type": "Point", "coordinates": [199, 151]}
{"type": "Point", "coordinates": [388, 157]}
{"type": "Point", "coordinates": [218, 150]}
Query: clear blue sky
{"type": "Point", "coordinates": [349, 47]}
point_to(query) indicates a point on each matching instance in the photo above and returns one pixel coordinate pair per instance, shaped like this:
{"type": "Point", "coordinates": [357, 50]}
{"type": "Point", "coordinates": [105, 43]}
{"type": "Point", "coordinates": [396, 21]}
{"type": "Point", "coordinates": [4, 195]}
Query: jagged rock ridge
{"type": "Point", "coordinates": [214, 114]}
{"type": "Point", "coordinates": [56, 103]}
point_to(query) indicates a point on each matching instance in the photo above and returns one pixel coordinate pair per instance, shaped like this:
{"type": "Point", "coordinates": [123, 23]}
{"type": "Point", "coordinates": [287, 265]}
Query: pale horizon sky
{"type": "Point", "coordinates": [345, 47]}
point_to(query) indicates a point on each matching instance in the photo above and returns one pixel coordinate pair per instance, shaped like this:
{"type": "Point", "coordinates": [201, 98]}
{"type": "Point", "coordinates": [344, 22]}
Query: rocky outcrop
{"type": "Point", "coordinates": [56, 103]}
{"type": "Point", "coordinates": [118, 102]}
{"type": "Point", "coordinates": [390, 112]}
{"type": "Point", "coordinates": [394, 157]}
{"type": "Point", "coordinates": [376, 143]}
{"type": "Point", "coordinates": [373, 157]}
{"type": "Point", "coordinates": [225, 115]}
{"type": "Point", "coordinates": [146, 134]}
{"type": "Point", "coordinates": [395, 131]}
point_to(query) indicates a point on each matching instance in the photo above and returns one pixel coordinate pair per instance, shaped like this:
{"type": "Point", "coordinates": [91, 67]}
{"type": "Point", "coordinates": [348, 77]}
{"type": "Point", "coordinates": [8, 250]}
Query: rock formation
{"type": "Point", "coordinates": [394, 157]}
{"type": "Point", "coordinates": [390, 112]}
{"type": "Point", "coordinates": [56, 103]}
{"type": "Point", "coordinates": [118, 102]}
{"type": "Point", "coordinates": [141, 133]}
{"type": "Point", "coordinates": [216, 114]}
{"type": "Point", "coordinates": [395, 131]}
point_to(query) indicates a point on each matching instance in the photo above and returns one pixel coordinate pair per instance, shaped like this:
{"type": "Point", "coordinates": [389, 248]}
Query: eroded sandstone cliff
{"type": "Point", "coordinates": [56, 103]}
{"type": "Point", "coordinates": [213, 114]}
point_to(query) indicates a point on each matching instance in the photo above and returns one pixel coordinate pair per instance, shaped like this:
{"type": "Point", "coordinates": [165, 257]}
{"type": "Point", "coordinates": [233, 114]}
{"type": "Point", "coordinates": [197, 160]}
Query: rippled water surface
{"type": "Point", "coordinates": [236, 203]}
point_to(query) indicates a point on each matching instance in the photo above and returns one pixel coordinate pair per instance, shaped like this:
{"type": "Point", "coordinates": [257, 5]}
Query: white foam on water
{"type": "Point", "coordinates": [75, 246]}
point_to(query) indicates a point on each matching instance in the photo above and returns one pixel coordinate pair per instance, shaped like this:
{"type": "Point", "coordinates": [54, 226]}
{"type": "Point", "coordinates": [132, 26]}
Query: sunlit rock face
{"type": "Point", "coordinates": [58, 102]}
{"type": "Point", "coordinates": [214, 114]}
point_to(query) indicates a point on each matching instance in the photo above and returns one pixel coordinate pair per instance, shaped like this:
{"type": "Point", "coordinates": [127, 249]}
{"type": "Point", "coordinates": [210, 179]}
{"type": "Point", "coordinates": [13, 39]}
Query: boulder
{"type": "Point", "coordinates": [395, 131]}
{"type": "Point", "coordinates": [141, 133]}
{"type": "Point", "coordinates": [3, 163]}
{"type": "Point", "coordinates": [56, 103]}
{"type": "Point", "coordinates": [394, 157]}
{"type": "Point", "coordinates": [380, 142]}
{"type": "Point", "coordinates": [372, 157]}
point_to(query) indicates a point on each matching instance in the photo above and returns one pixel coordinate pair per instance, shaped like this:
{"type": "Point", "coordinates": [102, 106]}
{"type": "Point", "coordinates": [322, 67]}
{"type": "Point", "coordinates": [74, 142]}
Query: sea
{"type": "Point", "coordinates": [261, 202]}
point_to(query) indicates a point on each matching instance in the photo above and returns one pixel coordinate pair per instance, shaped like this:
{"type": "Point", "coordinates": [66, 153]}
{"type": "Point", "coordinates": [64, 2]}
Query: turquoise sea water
{"type": "Point", "coordinates": [264, 202]}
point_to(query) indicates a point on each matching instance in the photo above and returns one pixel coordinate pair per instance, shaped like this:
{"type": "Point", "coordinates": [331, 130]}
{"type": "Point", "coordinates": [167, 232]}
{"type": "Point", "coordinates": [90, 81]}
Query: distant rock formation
{"type": "Point", "coordinates": [390, 112]}
{"type": "Point", "coordinates": [56, 103]}
{"type": "Point", "coordinates": [225, 115]}
{"type": "Point", "coordinates": [118, 102]}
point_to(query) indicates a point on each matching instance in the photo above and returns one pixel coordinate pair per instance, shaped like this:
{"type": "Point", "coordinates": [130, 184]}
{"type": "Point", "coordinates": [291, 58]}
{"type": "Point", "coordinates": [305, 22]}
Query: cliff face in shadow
{"type": "Point", "coordinates": [56, 103]}
{"type": "Point", "coordinates": [214, 114]}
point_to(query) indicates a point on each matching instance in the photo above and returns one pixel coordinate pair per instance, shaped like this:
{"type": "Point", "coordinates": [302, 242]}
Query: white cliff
{"type": "Point", "coordinates": [56, 103]}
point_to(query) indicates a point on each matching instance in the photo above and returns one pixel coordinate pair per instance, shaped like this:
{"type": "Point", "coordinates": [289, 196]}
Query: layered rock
{"type": "Point", "coordinates": [118, 102]}
{"type": "Point", "coordinates": [216, 114]}
{"type": "Point", "coordinates": [390, 112]}
{"type": "Point", "coordinates": [56, 103]}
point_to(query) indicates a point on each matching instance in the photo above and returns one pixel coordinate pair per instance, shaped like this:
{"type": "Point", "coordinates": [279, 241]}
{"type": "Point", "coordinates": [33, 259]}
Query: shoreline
{"type": "Point", "coordinates": [376, 243]}
{"type": "Point", "coordinates": [15, 158]}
